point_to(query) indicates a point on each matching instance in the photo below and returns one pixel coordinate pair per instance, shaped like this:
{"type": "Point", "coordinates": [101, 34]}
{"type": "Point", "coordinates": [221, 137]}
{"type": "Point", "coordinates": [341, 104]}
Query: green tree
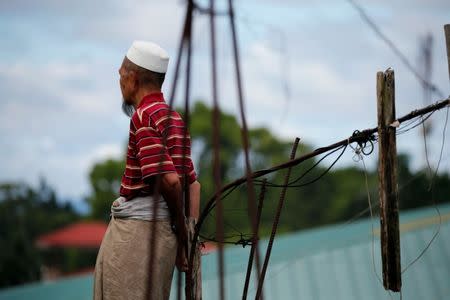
{"type": "Point", "coordinates": [266, 150]}
{"type": "Point", "coordinates": [338, 196]}
{"type": "Point", "coordinates": [105, 180]}
{"type": "Point", "coordinates": [26, 213]}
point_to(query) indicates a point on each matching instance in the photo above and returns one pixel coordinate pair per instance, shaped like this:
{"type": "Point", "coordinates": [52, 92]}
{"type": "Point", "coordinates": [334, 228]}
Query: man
{"type": "Point", "coordinates": [147, 232]}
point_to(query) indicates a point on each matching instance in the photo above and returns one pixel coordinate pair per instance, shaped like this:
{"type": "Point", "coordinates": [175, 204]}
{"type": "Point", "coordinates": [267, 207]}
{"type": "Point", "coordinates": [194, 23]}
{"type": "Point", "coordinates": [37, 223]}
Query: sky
{"type": "Point", "coordinates": [308, 67]}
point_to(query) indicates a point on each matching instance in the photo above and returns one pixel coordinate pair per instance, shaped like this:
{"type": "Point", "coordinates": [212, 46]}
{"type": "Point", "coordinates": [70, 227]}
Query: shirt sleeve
{"type": "Point", "coordinates": [153, 157]}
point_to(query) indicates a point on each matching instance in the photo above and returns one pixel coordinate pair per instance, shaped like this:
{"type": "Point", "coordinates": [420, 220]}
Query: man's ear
{"type": "Point", "coordinates": [134, 80]}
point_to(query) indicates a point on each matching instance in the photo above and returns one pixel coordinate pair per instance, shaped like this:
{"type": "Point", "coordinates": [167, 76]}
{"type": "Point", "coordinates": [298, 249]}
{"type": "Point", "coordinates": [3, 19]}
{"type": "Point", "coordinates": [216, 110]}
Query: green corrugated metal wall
{"type": "Point", "coordinates": [333, 262]}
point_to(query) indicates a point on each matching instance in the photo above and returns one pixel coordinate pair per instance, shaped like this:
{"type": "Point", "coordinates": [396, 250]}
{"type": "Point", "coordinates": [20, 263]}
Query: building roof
{"type": "Point", "coordinates": [331, 262]}
{"type": "Point", "coordinates": [80, 235]}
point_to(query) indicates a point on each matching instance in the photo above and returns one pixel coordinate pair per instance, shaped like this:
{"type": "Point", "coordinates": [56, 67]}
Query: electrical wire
{"type": "Point", "coordinates": [351, 220]}
{"type": "Point", "coordinates": [369, 200]}
{"type": "Point", "coordinates": [431, 190]}
{"type": "Point", "coordinates": [299, 185]}
{"type": "Point", "coordinates": [291, 184]}
{"type": "Point", "coordinates": [371, 23]}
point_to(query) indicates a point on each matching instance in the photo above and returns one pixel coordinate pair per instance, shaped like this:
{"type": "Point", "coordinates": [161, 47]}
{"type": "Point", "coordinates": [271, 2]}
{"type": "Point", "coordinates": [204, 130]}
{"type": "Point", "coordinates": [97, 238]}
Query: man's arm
{"type": "Point", "coordinates": [171, 190]}
{"type": "Point", "coordinates": [194, 200]}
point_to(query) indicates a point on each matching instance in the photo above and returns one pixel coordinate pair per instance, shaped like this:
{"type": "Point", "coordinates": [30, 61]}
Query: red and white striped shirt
{"type": "Point", "coordinates": [146, 154]}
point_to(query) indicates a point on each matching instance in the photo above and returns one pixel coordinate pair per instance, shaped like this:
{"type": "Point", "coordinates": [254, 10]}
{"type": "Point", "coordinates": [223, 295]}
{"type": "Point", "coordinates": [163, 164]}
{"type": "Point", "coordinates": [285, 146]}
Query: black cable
{"type": "Point", "coordinates": [433, 88]}
{"type": "Point", "coordinates": [222, 198]}
{"type": "Point", "coordinates": [431, 190]}
{"type": "Point", "coordinates": [325, 172]}
{"type": "Point", "coordinates": [363, 141]}
{"type": "Point", "coordinates": [419, 120]}
{"type": "Point", "coordinates": [291, 184]}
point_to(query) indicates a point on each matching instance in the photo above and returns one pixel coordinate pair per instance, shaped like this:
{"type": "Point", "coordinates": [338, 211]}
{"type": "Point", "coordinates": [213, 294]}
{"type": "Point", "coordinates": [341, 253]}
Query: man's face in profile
{"type": "Point", "coordinates": [127, 99]}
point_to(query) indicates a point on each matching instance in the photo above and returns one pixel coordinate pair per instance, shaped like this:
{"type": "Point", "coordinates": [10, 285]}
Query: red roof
{"type": "Point", "coordinates": [208, 247]}
{"type": "Point", "coordinates": [88, 235]}
{"type": "Point", "coordinates": [81, 235]}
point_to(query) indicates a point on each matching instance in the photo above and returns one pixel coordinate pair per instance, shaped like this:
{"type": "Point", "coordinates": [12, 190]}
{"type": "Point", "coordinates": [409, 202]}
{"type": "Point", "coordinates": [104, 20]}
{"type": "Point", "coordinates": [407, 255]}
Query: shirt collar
{"type": "Point", "coordinates": [152, 97]}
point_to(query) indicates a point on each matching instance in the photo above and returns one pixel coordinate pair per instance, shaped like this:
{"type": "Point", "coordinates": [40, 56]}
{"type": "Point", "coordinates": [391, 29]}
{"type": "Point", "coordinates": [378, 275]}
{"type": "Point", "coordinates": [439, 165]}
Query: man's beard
{"type": "Point", "coordinates": [127, 108]}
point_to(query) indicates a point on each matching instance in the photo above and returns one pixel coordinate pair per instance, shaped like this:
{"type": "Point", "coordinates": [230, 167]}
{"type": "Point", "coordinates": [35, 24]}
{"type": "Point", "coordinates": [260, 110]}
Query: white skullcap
{"type": "Point", "coordinates": [148, 56]}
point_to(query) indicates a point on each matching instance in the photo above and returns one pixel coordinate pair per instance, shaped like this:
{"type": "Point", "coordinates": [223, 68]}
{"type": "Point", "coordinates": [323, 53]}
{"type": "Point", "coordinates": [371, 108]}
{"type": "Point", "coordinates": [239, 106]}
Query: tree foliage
{"type": "Point", "coordinates": [105, 180]}
{"type": "Point", "coordinates": [336, 197]}
{"type": "Point", "coordinates": [340, 195]}
{"type": "Point", "coordinates": [26, 213]}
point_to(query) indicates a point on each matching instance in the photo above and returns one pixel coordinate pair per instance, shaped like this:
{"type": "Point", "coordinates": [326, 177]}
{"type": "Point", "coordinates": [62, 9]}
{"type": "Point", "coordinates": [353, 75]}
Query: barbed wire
{"type": "Point", "coordinates": [364, 139]}
{"type": "Point", "coordinates": [359, 150]}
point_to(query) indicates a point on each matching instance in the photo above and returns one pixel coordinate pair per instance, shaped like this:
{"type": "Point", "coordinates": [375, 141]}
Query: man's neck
{"type": "Point", "coordinates": [142, 92]}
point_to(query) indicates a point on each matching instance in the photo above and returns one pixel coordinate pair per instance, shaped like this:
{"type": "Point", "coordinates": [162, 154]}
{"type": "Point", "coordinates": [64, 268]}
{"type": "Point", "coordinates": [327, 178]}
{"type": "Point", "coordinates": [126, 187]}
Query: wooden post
{"type": "Point", "coordinates": [387, 178]}
{"type": "Point", "coordinates": [447, 42]}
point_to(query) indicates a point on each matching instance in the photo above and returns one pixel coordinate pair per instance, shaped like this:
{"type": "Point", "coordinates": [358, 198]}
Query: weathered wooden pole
{"type": "Point", "coordinates": [447, 42]}
{"type": "Point", "coordinates": [387, 178]}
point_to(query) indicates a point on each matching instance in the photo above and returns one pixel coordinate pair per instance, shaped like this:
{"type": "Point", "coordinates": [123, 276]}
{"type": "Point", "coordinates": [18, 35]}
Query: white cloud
{"type": "Point", "coordinates": [101, 152]}
{"type": "Point", "coordinates": [56, 125]}
{"type": "Point", "coordinates": [67, 172]}
{"type": "Point", "coordinates": [60, 106]}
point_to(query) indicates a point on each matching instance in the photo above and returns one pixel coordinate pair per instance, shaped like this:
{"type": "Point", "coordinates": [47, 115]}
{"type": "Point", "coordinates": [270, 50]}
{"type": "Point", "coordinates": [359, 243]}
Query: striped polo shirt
{"type": "Point", "coordinates": [146, 154]}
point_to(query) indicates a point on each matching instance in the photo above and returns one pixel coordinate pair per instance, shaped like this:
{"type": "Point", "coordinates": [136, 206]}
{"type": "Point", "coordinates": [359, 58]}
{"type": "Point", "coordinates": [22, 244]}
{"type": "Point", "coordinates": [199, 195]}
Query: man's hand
{"type": "Point", "coordinates": [170, 189]}
{"type": "Point", "coordinates": [181, 260]}
{"type": "Point", "coordinates": [182, 236]}
{"type": "Point", "coordinates": [182, 233]}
